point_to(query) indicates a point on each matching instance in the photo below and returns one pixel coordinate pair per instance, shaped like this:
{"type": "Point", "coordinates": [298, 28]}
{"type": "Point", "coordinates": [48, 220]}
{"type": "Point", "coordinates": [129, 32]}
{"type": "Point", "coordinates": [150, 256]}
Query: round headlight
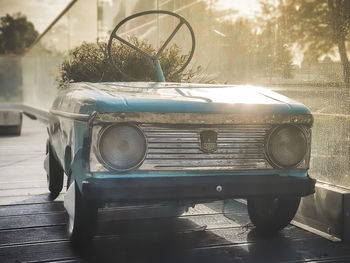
{"type": "Point", "coordinates": [286, 146]}
{"type": "Point", "coordinates": [122, 147]}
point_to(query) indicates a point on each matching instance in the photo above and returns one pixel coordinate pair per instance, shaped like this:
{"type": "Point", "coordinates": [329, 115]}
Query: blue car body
{"type": "Point", "coordinates": [81, 110]}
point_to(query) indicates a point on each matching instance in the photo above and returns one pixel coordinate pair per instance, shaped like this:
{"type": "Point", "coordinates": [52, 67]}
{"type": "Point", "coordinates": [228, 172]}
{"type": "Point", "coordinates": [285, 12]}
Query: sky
{"type": "Point", "coordinates": [43, 12]}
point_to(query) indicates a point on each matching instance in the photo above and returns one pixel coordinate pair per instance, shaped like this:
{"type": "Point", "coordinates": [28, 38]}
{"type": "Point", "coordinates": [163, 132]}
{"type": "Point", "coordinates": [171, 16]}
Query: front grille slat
{"type": "Point", "coordinates": [204, 156]}
{"type": "Point", "coordinates": [239, 147]}
{"type": "Point", "coordinates": [196, 140]}
{"type": "Point", "coordinates": [244, 145]}
{"type": "Point", "coordinates": [191, 151]}
{"type": "Point", "coordinates": [172, 140]}
{"type": "Point", "coordinates": [200, 161]}
{"type": "Point", "coordinates": [191, 135]}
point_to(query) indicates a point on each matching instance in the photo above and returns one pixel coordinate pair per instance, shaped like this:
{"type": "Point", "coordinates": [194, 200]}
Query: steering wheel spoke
{"type": "Point", "coordinates": [170, 38]}
{"type": "Point", "coordinates": [154, 58]}
{"type": "Point", "coordinates": [133, 46]}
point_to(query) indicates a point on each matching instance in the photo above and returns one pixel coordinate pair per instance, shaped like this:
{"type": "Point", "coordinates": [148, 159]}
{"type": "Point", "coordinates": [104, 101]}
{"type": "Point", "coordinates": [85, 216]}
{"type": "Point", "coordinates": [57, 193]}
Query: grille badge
{"type": "Point", "coordinates": [208, 141]}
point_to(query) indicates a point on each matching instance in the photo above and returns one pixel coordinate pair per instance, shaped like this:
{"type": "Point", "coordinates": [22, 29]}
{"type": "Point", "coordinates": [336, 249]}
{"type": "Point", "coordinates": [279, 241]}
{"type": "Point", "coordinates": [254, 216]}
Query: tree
{"type": "Point", "coordinates": [237, 48]}
{"type": "Point", "coordinates": [340, 24]}
{"type": "Point", "coordinates": [320, 26]}
{"type": "Point", "coordinates": [16, 34]}
{"type": "Point", "coordinates": [273, 55]}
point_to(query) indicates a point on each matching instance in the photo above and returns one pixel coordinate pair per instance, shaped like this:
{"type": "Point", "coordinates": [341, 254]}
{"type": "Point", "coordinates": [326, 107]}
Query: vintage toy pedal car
{"type": "Point", "coordinates": [177, 144]}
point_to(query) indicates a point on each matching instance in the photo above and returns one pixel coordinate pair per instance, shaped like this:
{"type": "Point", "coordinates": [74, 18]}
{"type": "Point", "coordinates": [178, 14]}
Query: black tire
{"type": "Point", "coordinates": [271, 214]}
{"type": "Point", "coordinates": [81, 226]}
{"type": "Point", "coordinates": [69, 181]}
{"type": "Point", "coordinates": [55, 174]}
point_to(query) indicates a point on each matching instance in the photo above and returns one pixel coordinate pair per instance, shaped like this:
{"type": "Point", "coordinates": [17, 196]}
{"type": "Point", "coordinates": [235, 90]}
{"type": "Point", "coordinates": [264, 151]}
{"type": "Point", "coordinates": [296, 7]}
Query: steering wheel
{"type": "Point", "coordinates": [154, 58]}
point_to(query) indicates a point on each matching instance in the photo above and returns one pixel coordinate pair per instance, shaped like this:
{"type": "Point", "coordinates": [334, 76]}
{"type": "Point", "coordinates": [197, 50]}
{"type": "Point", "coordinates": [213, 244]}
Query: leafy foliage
{"type": "Point", "coordinates": [90, 62]}
{"type": "Point", "coordinates": [319, 26]}
{"type": "Point", "coordinates": [251, 54]}
{"type": "Point", "coordinates": [16, 34]}
{"type": "Point", "coordinates": [273, 55]}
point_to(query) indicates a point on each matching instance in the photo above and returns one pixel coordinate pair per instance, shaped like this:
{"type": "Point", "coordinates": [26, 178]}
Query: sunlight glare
{"type": "Point", "coordinates": [244, 7]}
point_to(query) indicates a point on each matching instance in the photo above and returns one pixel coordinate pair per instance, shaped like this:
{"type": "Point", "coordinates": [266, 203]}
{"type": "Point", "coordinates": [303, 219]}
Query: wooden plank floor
{"type": "Point", "coordinates": [32, 227]}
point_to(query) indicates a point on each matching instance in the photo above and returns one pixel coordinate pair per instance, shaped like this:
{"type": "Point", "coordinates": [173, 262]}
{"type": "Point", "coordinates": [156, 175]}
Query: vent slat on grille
{"type": "Point", "coordinates": [178, 148]}
{"type": "Point", "coordinates": [189, 151]}
{"type": "Point", "coordinates": [196, 140]}
{"type": "Point", "coordinates": [191, 135]}
{"type": "Point", "coordinates": [222, 128]}
{"type": "Point", "coordinates": [244, 145]}
{"type": "Point", "coordinates": [204, 156]}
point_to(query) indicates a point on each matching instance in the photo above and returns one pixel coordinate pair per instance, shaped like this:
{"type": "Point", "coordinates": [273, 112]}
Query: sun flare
{"type": "Point", "coordinates": [244, 7]}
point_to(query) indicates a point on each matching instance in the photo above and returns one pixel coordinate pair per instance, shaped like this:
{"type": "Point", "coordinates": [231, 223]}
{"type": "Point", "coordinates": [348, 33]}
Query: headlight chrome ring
{"type": "Point", "coordinates": [121, 147]}
{"type": "Point", "coordinates": [286, 146]}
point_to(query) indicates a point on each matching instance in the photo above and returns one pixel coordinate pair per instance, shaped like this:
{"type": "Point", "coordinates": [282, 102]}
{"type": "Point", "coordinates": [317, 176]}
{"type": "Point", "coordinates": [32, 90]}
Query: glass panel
{"type": "Point", "coordinates": [331, 132]}
{"type": "Point", "coordinates": [41, 63]}
{"type": "Point", "coordinates": [230, 49]}
{"type": "Point", "coordinates": [10, 79]}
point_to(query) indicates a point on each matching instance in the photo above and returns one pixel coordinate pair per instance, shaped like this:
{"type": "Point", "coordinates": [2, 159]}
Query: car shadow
{"type": "Point", "coordinates": [178, 239]}
{"type": "Point", "coordinates": [148, 240]}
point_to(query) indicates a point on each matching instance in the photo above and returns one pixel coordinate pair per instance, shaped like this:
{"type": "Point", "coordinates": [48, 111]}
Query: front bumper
{"type": "Point", "coordinates": [194, 188]}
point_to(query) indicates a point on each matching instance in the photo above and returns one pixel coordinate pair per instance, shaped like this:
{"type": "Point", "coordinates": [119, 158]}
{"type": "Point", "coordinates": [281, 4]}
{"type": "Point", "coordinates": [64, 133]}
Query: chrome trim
{"type": "Point", "coordinates": [195, 118]}
{"type": "Point", "coordinates": [109, 166]}
{"type": "Point", "coordinates": [70, 115]}
{"type": "Point", "coordinates": [174, 144]}
{"type": "Point", "coordinates": [239, 147]}
{"type": "Point", "coordinates": [305, 157]}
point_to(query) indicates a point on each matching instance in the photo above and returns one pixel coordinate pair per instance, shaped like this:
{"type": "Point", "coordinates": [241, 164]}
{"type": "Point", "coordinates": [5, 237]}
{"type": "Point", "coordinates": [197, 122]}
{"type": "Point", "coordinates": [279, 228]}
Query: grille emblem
{"type": "Point", "coordinates": [208, 141]}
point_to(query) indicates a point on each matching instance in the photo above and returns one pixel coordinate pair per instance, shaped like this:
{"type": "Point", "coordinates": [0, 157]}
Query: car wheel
{"type": "Point", "coordinates": [54, 173]}
{"type": "Point", "coordinates": [69, 181]}
{"type": "Point", "coordinates": [82, 217]}
{"type": "Point", "coordinates": [271, 214]}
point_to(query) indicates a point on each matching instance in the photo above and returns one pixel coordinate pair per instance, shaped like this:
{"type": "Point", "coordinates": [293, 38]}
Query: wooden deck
{"type": "Point", "coordinates": [32, 227]}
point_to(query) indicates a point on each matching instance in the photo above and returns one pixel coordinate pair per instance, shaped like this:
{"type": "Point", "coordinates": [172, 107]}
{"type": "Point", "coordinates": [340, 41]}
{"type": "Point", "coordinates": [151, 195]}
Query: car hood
{"type": "Point", "coordinates": [176, 98]}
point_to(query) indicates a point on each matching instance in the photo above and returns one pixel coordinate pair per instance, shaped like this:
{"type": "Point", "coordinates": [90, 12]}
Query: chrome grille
{"type": "Point", "coordinates": [239, 147]}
